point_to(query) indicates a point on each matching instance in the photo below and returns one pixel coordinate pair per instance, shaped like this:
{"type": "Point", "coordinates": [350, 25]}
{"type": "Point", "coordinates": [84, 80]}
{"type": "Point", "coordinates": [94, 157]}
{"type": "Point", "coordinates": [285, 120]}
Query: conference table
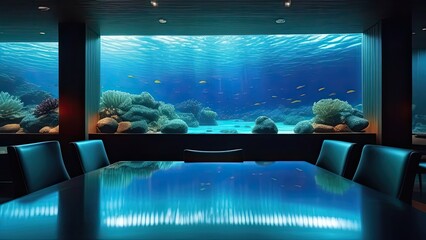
{"type": "Point", "coordinates": [177, 200]}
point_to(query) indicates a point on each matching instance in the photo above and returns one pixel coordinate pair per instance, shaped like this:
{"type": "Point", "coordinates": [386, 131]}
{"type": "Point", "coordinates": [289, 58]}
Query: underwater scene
{"type": "Point", "coordinates": [29, 87]}
{"type": "Point", "coordinates": [231, 84]}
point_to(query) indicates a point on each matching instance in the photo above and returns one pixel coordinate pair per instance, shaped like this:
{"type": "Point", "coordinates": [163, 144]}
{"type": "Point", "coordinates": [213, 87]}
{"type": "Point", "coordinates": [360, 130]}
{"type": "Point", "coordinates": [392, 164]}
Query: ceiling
{"type": "Point", "coordinates": [20, 20]}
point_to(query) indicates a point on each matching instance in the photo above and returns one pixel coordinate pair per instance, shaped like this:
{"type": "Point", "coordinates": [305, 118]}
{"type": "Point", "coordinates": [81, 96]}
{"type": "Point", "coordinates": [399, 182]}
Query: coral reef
{"type": "Point", "coordinates": [115, 103]}
{"type": "Point", "coordinates": [31, 124]}
{"type": "Point", "coordinates": [34, 97]}
{"type": "Point", "coordinates": [140, 112]}
{"type": "Point", "coordinates": [175, 126]}
{"type": "Point", "coordinates": [47, 106]}
{"type": "Point", "coordinates": [331, 111]}
{"type": "Point", "coordinates": [167, 110]}
{"type": "Point", "coordinates": [10, 106]}
{"type": "Point", "coordinates": [264, 125]}
{"type": "Point", "coordinates": [207, 117]}
{"type": "Point", "coordinates": [189, 118]}
{"type": "Point", "coordinates": [145, 99]}
{"type": "Point", "coordinates": [190, 106]}
{"type": "Point", "coordinates": [304, 126]}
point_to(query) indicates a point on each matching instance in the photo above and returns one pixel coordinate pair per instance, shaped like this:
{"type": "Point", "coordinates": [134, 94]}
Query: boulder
{"type": "Point", "coordinates": [207, 117]}
{"type": "Point", "coordinates": [357, 124]}
{"type": "Point", "coordinates": [54, 130]}
{"type": "Point", "coordinates": [322, 128]}
{"type": "Point", "coordinates": [175, 126]}
{"type": "Point", "coordinates": [31, 124]}
{"type": "Point", "coordinates": [45, 129]}
{"type": "Point", "coordinates": [304, 127]}
{"type": "Point", "coordinates": [342, 128]}
{"type": "Point", "coordinates": [10, 128]}
{"type": "Point", "coordinates": [107, 125]}
{"type": "Point", "coordinates": [264, 124]}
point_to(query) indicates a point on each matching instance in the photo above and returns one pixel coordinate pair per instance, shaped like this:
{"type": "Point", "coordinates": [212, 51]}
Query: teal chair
{"type": "Point", "coordinates": [91, 154]}
{"type": "Point", "coordinates": [334, 156]}
{"type": "Point", "coordinates": [389, 170]}
{"type": "Point", "coordinates": [232, 155]}
{"type": "Point", "coordinates": [36, 166]}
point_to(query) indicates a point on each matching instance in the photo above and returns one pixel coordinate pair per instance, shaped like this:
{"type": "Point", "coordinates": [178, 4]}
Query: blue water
{"type": "Point", "coordinates": [235, 73]}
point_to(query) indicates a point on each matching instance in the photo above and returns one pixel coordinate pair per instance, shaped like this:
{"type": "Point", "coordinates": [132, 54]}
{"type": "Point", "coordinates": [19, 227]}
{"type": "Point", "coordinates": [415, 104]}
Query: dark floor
{"type": "Point", "coordinates": [419, 197]}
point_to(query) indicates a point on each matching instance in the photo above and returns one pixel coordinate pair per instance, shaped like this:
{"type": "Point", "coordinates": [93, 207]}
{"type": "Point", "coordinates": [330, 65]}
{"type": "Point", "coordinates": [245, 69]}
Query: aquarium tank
{"type": "Point", "coordinates": [419, 84]}
{"type": "Point", "coordinates": [29, 87]}
{"type": "Point", "coordinates": [231, 84]}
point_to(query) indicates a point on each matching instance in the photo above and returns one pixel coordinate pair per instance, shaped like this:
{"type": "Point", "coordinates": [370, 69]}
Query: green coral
{"type": "Point", "coordinates": [331, 111]}
{"type": "Point", "coordinates": [167, 110]}
{"type": "Point", "coordinates": [145, 99]}
{"type": "Point", "coordinates": [115, 102]}
{"type": "Point", "coordinates": [10, 106]}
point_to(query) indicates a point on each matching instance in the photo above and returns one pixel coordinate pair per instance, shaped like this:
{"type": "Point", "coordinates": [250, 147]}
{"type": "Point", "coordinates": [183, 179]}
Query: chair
{"type": "Point", "coordinates": [232, 155]}
{"type": "Point", "coordinates": [421, 170]}
{"type": "Point", "coordinates": [37, 166]}
{"type": "Point", "coordinates": [388, 169]}
{"type": "Point", "coordinates": [334, 156]}
{"type": "Point", "coordinates": [91, 154]}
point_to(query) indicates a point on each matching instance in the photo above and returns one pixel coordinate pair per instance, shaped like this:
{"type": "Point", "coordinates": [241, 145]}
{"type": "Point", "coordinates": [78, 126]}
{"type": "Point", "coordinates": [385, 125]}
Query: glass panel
{"type": "Point", "coordinates": [419, 84]}
{"type": "Point", "coordinates": [29, 87]}
{"type": "Point", "coordinates": [231, 84]}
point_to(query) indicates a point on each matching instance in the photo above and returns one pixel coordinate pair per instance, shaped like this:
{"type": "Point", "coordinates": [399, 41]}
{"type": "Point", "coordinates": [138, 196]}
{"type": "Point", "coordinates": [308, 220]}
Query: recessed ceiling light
{"type": "Point", "coordinates": [42, 33]}
{"type": "Point", "coordinates": [43, 8]}
{"type": "Point", "coordinates": [280, 21]}
{"type": "Point", "coordinates": [414, 33]}
{"type": "Point", "coordinates": [287, 3]}
{"type": "Point", "coordinates": [162, 20]}
{"type": "Point", "coordinates": [154, 3]}
{"type": "Point", "coordinates": [424, 29]}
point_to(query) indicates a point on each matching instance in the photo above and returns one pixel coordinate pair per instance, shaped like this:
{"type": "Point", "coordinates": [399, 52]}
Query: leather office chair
{"type": "Point", "coordinates": [36, 166]}
{"type": "Point", "coordinates": [91, 154]}
{"type": "Point", "coordinates": [232, 155]}
{"type": "Point", "coordinates": [334, 156]}
{"type": "Point", "coordinates": [389, 170]}
{"type": "Point", "coordinates": [421, 169]}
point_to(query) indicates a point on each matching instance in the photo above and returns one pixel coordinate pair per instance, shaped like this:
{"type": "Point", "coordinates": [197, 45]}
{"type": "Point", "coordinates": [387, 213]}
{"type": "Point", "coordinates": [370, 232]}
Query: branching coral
{"type": "Point", "coordinates": [47, 106]}
{"type": "Point", "coordinates": [10, 106]}
{"type": "Point", "coordinates": [331, 111]}
{"type": "Point", "coordinates": [115, 102]}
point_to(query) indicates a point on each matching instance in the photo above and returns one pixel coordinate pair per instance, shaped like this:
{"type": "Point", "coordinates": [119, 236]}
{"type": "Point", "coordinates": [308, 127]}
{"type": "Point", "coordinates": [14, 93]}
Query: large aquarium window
{"type": "Point", "coordinates": [231, 84]}
{"type": "Point", "coordinates": [419, 84]}
{"type": "Point", "coordinates": [29, 87]}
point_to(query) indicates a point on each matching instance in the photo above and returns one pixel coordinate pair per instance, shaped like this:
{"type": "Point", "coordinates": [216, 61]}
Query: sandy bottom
{"type": "Point", "coordinates": [236, 124]}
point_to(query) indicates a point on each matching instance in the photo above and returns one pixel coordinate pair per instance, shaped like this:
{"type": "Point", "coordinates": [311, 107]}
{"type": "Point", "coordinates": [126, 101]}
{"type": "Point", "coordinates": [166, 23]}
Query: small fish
{"type": "Point", "coordinates": [202, 82]}
{"type": "Point", "coordinates": [296, 101]}
{"type": "Point", "coordinates": [302, 94]}
{"type": "Point", "coordinates": [350, 91]}
{"type": "Point", "coordinates": [331, 94]}
{"type": "Point", "coordinates": [289, 99]}
{"type": "Point", "coordinates": [274, 179]}
{"type": "Point", "coordinates": [130, 76]}
{"type": "Point", "coordinates": [301, 86]}
{"type": "Point", "coordinates": [157, 81]}
{"type": "Point", "coordinates": [274, 96]}
{"type": "Point", "coordinates": [257, 104]}
{"type": "Point", "coordinates": [320, 89]}
{"type": "Point", "coordinates": [202, 189]}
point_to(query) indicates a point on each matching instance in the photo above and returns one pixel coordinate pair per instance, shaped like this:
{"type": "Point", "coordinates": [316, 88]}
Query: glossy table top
{"type": "Point", "coordinates": [176, 200]}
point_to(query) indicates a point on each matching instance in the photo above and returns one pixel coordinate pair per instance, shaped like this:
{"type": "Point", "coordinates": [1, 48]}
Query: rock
{"type": "Point", "coordinates": [10, 128]}
{"type": "Point", "coordinates": [264, 124]}
{"type": "Point", "coordinates": [190, 119]}
{"type": "Point", "coordinates": [124, 127]}
{"type": "Point", "coordinates": [229, 131]}
{"type": "Point", "coordinates": [304, 127]}
{"type": "Point", "coordinates": [54, 130]}
{"type": "Point", "coordinates": [175, 126]}
{"type": "Point", "coordinates": [45, 129]}
{"type": "Point", "coordinates": [107, 125]}
{"type": "Point", "coordinates": [342, 128]}
{"type": "Point", "coordinates": [357, 124]}
{"type": "Point", "coordinates": [322, 128]}
{"type": "Point", "coordinates": [138, 127]}
{"type": "Point", "coordinates": [31, 124]}
{"type": "Point", "coordinates": [207, 117]}
{"type": "Point", "coordinates": [139, 112]}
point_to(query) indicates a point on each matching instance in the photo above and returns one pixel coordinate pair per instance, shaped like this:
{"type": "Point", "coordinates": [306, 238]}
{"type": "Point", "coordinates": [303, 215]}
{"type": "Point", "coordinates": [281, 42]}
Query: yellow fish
{"type": "Point", "coordinates": [350, 91]}
{"type": "Point", "coordinates": [202, 82]}
{"type": "Point", "coordinates": [257, 104]}
{"type": "Point", "coordinates": [157, 81]}
{"type": "Point", "coordinates": [301, 86]}
{"type": "Point", "coordinates": [130, 76]}
{"type": "Point", "coordinates": [332, 94]}
{"type": "Point", "coordinates": [296, 101]}
{"type": "Point", "coordinates": [274, 96]}
{"type": "Point", "coordinates": [302, 94]}
{"type": "Point", "coordinates": [320, 89]}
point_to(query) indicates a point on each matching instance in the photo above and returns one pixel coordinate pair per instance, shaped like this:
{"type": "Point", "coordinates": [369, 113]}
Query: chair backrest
{"type": "Point", "coordinates": [334, 156]}
{"type": "Point", "coordinates": [37, 166]}
{"type": "Point", "coordinates": [388, 169]}
{"type": "Point", "coordinates": [91, 154]}
{"type": "Point", "coordinates": [232, 155]}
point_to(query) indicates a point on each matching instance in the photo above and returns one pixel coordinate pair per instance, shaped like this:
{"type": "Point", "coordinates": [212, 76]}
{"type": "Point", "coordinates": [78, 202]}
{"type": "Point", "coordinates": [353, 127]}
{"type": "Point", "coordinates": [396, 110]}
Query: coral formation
{"type": "Point", "coordinates": [264, 125]}
{"type": "Point", "coordinates": [10, 106]}
{"type": "Point", "coordinates": [304, 127]}
{"type": "Point", "coordinates": [331, 111]}
{"type": "Point", "coordinates": [115, 102]}
{"type": "Point", "coordinates": [167, 110]}
{"type": "Point", "coordinates": [140, 112]}
{"type": "Point", "coordinates": [189, 118]}
{"type": "Point", "coordinates": [207, 117]}
{"type": "Point", "coordinates": [47, 106]}
{"type": "Point", "coordinates": [31, 124]}
{"type": "Point", "coordinates": [175, 126]}
{"type": "Point", "coordinates": [34, 97]}
{"type": "Point", "coordinates": [145, 99]}
{"type": "Point", "coordinates": [190, 106]}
